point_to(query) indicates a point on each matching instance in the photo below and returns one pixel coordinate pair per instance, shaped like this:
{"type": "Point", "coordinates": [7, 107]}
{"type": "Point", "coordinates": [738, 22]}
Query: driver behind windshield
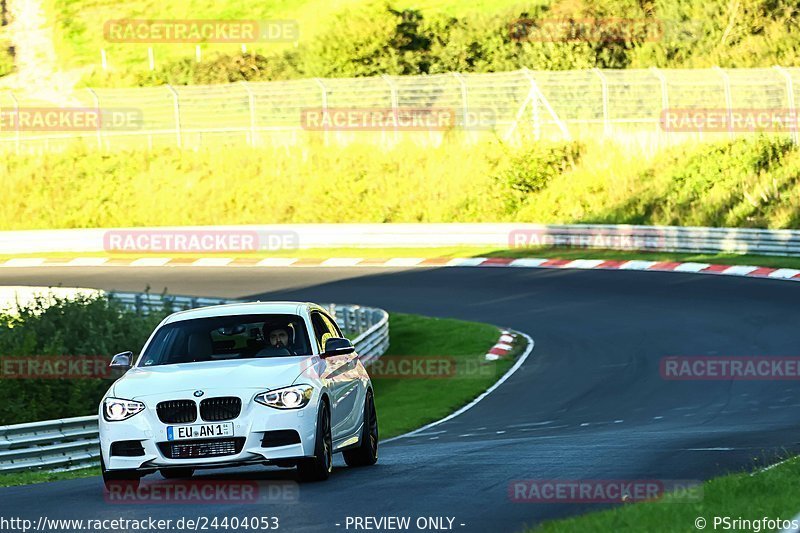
{"type": "Point", "coordinates": [280, 339]}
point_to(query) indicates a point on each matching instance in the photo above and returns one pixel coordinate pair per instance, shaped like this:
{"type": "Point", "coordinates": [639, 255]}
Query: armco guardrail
{"type": "Point", "coordinates": [501, 235]}
{"type": "Point", "coordinates": [71, 443]}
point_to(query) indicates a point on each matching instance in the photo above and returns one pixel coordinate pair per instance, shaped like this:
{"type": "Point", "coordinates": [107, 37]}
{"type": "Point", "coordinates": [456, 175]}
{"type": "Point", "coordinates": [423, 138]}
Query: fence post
{"type": "Point", "coordinates": [151, 58]}
{"type": "Point", "coordinates": [17, 140]}
{"type": "Point", "coordinates": [790, 99]}
{"type": "Point", "coordinates": [464, 101]}
{"type": "Point", "coordinates": [394, 99]}
{"type": "Point", "coordinates": [324, 103]}
{"type": "Point", "coordinates": [103, 59]}
{"type": "Point", "coordinates": [252, 106]}
{"type": "Point", "coordinates": [99, 116]}
{"type": "Point", "coordinates": [536, 93]}
{"type": "Point", "coordinates": [604, 87]}
{"type": "Point", "coordinates": [728, 99]}
{"type": "Point", "coordinates": [177, 115]}
{"type": "Point", "coordinates": [664, 100]}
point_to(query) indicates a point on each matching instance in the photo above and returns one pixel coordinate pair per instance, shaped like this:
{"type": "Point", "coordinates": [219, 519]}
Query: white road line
{"type": "Point", "coordinates": [341, 262]}
{"type": "Point", "coordinates": [738, 270]}
{"type": "Point", "coordinates": [709, 449]}
{"type": "Point", "coordinates": [527, 262]}
{"type": "Point", "coordinates": [465, 261]}
{"type": "Point", "coordinates": [403, 261]}
{"type": "Point", "coordinates": [637, 265]}
{"type": "Point", "coordinates": [88, 261]}
{"type": "Point", "coordinates": [691, 267]}
{"type": "Point", "coordinates": [585, 263]}
{"type": "Point", "coordinates": [473, 403]}
{"type": "Point", "coordinates": [212, 262]}
{"type": "Point", "coordinates": [531, 424]}
{"type": "Point", "coordinates": [23, 262]}
{"type": "Point", "coordinates": [150, 262]}
{"type": "Point", "coordinates": [784, 273]}
{"type": "Point", "coordinates": [277, 262]}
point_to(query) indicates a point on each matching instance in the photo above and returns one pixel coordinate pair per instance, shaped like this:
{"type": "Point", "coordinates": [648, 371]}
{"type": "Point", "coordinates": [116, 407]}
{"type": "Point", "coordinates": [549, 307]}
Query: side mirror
{"type": "Point", "coordinates": [337, 346]}
{"type": "Point", "coordinates": [122, 360]}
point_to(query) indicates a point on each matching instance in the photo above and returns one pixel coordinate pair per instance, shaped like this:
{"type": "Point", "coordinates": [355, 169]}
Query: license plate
{"type": "Point", "coordinates": [200, 431]}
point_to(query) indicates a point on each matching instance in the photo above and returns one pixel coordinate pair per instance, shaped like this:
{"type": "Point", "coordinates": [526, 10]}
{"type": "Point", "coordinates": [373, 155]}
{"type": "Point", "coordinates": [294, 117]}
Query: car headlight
{"type": "Point", "coordinates": [295, 397]}
{"type": "Point", "coordinates": [115, 409]}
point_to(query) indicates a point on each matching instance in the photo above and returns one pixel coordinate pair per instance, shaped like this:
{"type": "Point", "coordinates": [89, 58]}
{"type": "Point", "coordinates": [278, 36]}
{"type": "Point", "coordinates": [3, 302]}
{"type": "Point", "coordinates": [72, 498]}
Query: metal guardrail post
{"type": "Point", "coordinates": [790, 101]}
{"type": "Point", "coordinates": [177, 115]}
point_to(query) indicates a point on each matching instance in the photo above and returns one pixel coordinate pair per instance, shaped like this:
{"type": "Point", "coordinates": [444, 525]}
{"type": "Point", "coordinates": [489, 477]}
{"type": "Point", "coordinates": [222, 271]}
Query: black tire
{"type": "Point", "coordinates": [367, 452]}
{"type": "Point", "coordinates": [177, 473]}
{"type": "Point", "coordinates": [320, 466]}
{"type": "Point", "coordinates": [119, 479]}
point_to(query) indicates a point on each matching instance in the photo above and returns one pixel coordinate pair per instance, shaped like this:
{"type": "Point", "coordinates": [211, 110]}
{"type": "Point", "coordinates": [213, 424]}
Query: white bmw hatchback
{"type": "Point", "coordinates": [271, 383]}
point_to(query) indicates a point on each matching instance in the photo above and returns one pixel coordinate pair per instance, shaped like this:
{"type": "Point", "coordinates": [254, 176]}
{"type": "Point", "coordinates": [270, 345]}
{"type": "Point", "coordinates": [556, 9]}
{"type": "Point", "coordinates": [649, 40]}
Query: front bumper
{"type": "Point", "coordinates": [251, 424]}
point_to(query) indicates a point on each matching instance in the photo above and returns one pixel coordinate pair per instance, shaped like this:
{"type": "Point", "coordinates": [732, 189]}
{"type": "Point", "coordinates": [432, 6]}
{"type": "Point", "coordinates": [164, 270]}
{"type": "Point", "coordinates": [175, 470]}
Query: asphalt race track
{"type": "Point", "coordinates": [589, 403]}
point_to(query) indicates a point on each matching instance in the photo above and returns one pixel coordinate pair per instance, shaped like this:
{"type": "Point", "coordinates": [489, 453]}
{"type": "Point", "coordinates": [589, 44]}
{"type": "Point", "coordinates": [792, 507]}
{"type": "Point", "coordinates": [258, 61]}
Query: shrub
{"type": "Point", "coordinates": [54, 326]}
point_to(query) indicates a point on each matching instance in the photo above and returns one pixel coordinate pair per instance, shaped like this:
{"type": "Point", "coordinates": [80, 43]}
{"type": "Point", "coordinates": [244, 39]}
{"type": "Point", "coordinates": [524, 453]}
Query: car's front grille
{"type": "Point", "coordinates": [190, 449]}
{"type": "Point", "coordinates": [177, 411]}
{"type": "Point", "coordinates": [218, 409]}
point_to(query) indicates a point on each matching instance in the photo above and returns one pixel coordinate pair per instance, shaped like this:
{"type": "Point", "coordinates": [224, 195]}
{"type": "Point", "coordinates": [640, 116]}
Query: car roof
{"type": "Point", "coordinates": [248, 308]}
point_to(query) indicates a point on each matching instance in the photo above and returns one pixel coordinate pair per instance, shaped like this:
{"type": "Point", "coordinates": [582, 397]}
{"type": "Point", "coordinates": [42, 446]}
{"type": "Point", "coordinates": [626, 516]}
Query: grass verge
{"type": "Point", "coordinates": [751, 496]}
{"type": "Point", "coordinates": [403, 404]}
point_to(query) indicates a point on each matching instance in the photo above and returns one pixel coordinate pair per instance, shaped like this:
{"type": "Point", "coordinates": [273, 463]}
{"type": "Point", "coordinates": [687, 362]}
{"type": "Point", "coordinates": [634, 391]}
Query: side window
{"type": "Point", "coordinates": [321, 331]}
{"type": "Point", "coordinates": [333, 327]}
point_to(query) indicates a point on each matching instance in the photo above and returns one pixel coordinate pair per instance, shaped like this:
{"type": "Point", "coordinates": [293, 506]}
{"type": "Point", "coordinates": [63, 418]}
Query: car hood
{"type": "Point", "coordinates": [264, 374]}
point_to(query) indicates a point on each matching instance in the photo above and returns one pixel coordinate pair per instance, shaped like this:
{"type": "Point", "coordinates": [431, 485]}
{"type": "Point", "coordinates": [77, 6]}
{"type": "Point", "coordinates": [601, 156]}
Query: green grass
{"type": "Point", "coordinates": [753, 182]}
{"type": "Point", "coordinates": [406, 404]}
{"type": "Point", "coordinates": [402, 404]}
{"type": "Point", "coordinates": [743, 495]}
{"type": "Point", "coordinates": [31, 477]}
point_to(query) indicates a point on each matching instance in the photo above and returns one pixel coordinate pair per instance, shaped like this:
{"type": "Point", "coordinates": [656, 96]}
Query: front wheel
{"type": "Point", "coordinates": [320, 466]}
{"type": "Point", "coordinates": [367, 452]}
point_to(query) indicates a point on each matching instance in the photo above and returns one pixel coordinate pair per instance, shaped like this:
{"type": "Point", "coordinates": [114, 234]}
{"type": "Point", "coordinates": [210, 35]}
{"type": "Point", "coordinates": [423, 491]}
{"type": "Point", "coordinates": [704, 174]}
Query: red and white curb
{"type": "Point", "coordinates": [408, 262]}
{"type": "Point", "coordinates": [504, 345]}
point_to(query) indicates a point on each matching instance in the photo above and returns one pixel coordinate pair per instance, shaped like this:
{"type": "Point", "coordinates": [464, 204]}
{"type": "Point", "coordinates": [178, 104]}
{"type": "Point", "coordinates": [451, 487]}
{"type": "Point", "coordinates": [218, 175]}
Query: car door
{"type": "Point", "coordinates": [351, 396]}
{"type": "Point", "coordinates": [332, 371]}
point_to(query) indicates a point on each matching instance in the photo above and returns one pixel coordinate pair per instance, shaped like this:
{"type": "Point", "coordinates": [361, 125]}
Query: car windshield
{"type": "Point", "coordinates": [227, 337]}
